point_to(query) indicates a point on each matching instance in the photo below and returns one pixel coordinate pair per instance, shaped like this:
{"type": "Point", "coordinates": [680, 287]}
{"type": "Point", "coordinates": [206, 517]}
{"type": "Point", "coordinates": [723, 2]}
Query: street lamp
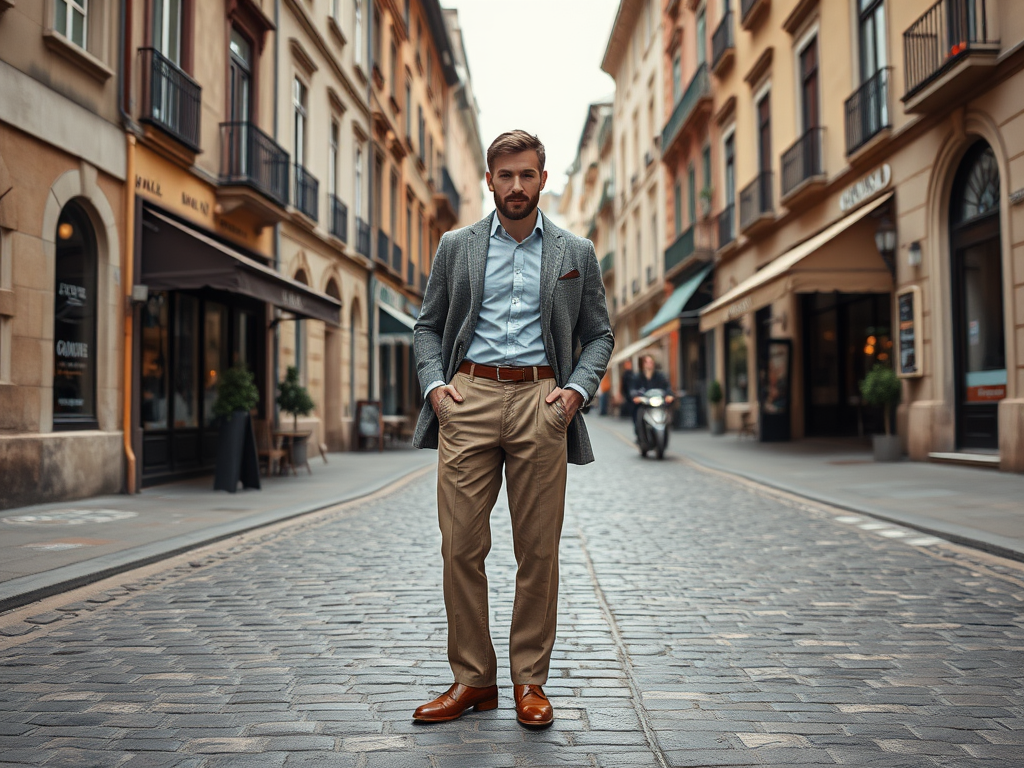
{"type": "Point", "coordinates": [885, 242]}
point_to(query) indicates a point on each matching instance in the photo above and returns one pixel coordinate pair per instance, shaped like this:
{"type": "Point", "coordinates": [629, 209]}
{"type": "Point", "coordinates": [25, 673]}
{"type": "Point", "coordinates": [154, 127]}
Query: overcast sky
{"type": "Point", "coordinates": [536, 65]}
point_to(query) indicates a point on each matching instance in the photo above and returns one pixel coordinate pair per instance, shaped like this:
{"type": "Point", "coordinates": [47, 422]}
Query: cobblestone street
{"type": "Point", "coordinates": [702, 622]}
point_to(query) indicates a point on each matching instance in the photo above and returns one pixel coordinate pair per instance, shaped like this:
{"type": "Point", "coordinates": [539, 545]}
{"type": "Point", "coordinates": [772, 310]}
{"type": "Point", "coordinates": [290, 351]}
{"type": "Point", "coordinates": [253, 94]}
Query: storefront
{"type": "Point", "coordinates": [210, 306]}
{"type": "Point", "coordinates": [793, 340]}
{"type": "Point", "coordinates": [398, 384]}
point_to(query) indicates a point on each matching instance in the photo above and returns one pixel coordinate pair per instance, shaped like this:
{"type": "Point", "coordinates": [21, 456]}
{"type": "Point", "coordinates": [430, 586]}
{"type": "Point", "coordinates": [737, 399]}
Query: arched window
{"type": "Point", "coordinates": [976, 188]}
{"type": "Point", "coordinates": [74, 326]}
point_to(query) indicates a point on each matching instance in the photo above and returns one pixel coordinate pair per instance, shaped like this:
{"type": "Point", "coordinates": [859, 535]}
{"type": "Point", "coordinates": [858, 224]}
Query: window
{"type": "Point", "coordinates": [654, 242]}
{"type": "Point", "coordinates": [167, 28]}
{"type": "Point", "coordinates": [691, 194]}
{"type": "Point", "coordinates": [393, 210]}
{"type": "Point", "coordinates": [677, 194]}
{"type": "Point", "coordinates": [423, 133]}
{"type": "Point", "coordinates": [419, 240]}
{"type": "Point", "coordinates": [408, 230]}
{"type": "Point", "coordinates": [677, 78]}
{"type": "Point", "coordinates": [335, 10]}
{"type": "Point", "coordinates": [764, 133]}
{"type": "Point", "coordinates": [408, 104]}
{"type": "Point", "coordinates": [74, 326]}
{"type": "Point", "coordinates": [394, 70]}
{"type": "Point", "coordinates": [702, 38]}
{"type": "Point", "coordinates": [332, 160]}
{"type": "Point", "coordinates": [809, 85]}
{"type": "Point", "coordinates": [735, 363]}
{"type": "Point", "coordinates": [406, 14]}
{"type": "Point", "coordinates": [871, 37]}
{"type": "Point", "coordinates": [375, 52]}
{"type": "Point", "coordinates": [730, 169]}
{"type": "Point", "coordinates": [359, 183]}
{"type": "Point", "coordinates": [71, 20]}
{"type": "Point", "coordinates": [706, 164]}
{"type": "Point", "coordinates": [359, 31]}
{"type": "Point", "coordinates": [299, 104]}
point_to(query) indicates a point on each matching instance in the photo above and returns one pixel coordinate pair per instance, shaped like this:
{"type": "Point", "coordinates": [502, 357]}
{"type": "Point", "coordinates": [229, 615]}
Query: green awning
{"type": "Point", "coordinates": [676, 302]}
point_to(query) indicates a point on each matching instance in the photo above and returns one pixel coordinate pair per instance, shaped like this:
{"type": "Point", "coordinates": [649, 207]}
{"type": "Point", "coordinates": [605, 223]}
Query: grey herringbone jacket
{"type": "Point", "coordinates": [573, 314]}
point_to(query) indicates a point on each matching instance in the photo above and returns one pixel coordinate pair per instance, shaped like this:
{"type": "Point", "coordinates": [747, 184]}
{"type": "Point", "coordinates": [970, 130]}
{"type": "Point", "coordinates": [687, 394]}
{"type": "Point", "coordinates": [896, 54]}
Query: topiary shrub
{"type": "Point", "coordinates": [293, 398]}
{"type": "Point", "coordinates": [882, 387]}
{"type": "Point", "coordinates": [236, 391]}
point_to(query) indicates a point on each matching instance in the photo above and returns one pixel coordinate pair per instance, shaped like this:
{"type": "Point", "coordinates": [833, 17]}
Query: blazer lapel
{"type": "Point", "coordinates": [476, 256]}
{"type": "Point", "coordinates": [550, 269]}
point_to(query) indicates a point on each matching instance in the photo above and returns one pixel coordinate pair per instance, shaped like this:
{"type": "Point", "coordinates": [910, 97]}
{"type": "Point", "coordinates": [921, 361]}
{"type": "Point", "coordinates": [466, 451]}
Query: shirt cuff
{"type": "Point", "coordinates": [581, 390]}
{"type": "Point", "coordinates": [431, 387]}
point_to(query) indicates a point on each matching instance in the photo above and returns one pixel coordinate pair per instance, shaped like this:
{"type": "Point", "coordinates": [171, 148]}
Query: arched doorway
{"type": "Point", "coordinates": [332, 378]}
{"type": "Point", "coordinates": [979, 334]}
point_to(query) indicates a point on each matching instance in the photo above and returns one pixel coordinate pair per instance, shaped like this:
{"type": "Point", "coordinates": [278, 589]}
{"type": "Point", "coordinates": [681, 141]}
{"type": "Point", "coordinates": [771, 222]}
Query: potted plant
{"type": "Point", "coordinates": [236, 396]}
{"type": "Point", "coordinates": [293, 398]}
{"type": "Point", "coordinates": [882, 387]}
{"type": "Point", "coordinates": [715, 397]}
{"type": "Point", "coordinates": [705, 201]}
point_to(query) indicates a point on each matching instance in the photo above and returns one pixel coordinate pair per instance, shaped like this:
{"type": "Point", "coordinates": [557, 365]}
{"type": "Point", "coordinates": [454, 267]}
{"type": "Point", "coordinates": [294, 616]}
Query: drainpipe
{"type": "Point", "coordinates": [276, 343]}
{"type": "Point", "coordinates": [374, 361]}
{"type": "Point", "coordinates": [128, 264]}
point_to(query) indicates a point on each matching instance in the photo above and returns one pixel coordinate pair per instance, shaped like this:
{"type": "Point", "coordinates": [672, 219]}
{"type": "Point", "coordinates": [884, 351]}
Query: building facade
{"type": "Point", "coordinates": [464, 147]}
{"type": "Point", "coordinates": [870, 216]}
{"type": "Point", "coordinates": [63, 167]}
{"type": "Point", "coordinates": [633, 58]}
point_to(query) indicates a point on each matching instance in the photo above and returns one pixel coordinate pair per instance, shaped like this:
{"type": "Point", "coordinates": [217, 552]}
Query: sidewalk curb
{"type": "Point", "coordinates": [24, 590]}
{"type": "Point", "coordinates": [957, 534]}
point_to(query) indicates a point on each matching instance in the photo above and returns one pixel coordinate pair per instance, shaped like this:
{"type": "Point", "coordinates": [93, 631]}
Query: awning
{"type": "Point", "coordinates": [638, 346]}
{"type": "Point", "coordinates": [809, 268]}
{"type": "Point", "coordinates": [179, 258]}
{"type": "Point", "coordinates": [394, 325]}
{"type": "Point", "coordinates": [669, 312]}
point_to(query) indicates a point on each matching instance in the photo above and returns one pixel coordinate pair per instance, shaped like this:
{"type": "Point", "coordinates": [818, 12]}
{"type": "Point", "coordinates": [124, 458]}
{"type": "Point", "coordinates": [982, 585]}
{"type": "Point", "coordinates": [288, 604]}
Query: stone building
{"type": "Point", "coordinates": [464, 147]}
{"type": "Point", "coordinates": [63, 165]}
{"type": "Point", "coordinates": [633, 58]}
{"type": "Point", "coordinates": [871, 213]}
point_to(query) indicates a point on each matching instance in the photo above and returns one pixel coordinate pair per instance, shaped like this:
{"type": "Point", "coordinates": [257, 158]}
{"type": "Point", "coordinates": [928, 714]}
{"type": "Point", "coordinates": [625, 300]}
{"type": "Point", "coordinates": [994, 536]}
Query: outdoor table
{"type": "Point", "coordinates": [289, 437]}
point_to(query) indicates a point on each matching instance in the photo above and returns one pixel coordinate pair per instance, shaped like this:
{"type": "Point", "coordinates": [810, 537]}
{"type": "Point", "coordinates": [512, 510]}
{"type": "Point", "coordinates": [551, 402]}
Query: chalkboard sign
{"type": "Point", "coordinates": [369, 423]}
{"type": "Point", "coordinates": [688, 418]}
{"type": "Point", "coordinates": [237, 459]}
{"type": "Point", "coordinates": [908, 312]}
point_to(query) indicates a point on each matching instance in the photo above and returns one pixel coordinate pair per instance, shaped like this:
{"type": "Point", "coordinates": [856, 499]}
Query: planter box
{"type": "Point", "coordinates": [887, 447]}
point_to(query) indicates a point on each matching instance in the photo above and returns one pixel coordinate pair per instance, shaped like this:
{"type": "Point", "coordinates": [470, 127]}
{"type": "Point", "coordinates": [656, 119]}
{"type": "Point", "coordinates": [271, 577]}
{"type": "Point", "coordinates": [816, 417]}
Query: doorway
{"type": "Point", "coordinates": [979, 333]}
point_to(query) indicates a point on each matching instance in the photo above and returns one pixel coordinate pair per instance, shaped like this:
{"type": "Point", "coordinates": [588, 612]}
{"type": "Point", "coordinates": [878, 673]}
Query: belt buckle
{"type": "Point", "coordinates": [498, 373]}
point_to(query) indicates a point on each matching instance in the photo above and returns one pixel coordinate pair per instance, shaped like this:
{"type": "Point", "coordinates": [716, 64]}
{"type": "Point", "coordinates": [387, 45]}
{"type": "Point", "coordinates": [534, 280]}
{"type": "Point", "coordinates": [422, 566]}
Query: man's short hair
{"type": "Point", "coordinates": [512, 143]}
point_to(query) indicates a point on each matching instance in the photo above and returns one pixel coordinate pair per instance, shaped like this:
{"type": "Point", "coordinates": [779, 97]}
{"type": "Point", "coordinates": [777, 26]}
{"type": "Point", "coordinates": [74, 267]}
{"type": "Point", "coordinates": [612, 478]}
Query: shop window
{"type": "Point", "coordinates": [71, 18]}
{"type": "Point", "coordinates": [74, 328]}
{"type": "Point", "coordinates": [736, 383]}
{"type": "Point", "coordinates": [186, 362]}
{"type": "Point", "coordinates": [215, 354]}
{"type": "Point", "coordinates": [154, 362]}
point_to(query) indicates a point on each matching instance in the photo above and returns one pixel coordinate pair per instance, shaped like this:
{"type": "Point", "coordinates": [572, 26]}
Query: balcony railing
{"type": "Point", "coordinates": [170, 99]}
{"type": "Point", "coordinates": [946, 32]}
{"type": "Point", "coordinates": [680, 250]}
{"type": "Point", "coordinates": [396, 257]}
{"type": "Point", "coordinates": [607, 194]}
{"type": "Point", "coordinates": [722, 40]}
{"type": "Point", "coordinates": [726, 226]}
{"type": "Point", "coordinates": [607, 262]}
{"type": "Point", "coordinates": [307, 192]}
{"type": "Point", "coordinates": [249, 157]}
{"type": "Point", "coordinates": [756, 199]}
{"type": "Point", "coordinates": [362, 237]}
{"type": "Point", "coordinates": [867, 111]}
{"type": "Point", "coordinates": [604, 135]}
{"type": "Point", "coordinates": [383, 246]}
{"type": "Point", "coordinates": [699, 88]}
{"type": "Point", "coordinates": [448, 187]}
{"type": "Point", "coordinates": [339, 219]}
{"type": "Point", "coordinates": [803, 160]}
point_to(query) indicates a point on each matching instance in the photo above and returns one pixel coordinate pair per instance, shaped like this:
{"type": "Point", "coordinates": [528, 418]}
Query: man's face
{"type": "Point", "coordinates": [648, 364]}
{"type": "Point", "coordinates": [516, 183]}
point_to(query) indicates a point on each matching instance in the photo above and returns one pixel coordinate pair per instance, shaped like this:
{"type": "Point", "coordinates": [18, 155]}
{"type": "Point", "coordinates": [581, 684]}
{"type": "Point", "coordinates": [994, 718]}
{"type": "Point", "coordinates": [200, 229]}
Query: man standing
{"type": "Point", "coordinates": [509, 301]}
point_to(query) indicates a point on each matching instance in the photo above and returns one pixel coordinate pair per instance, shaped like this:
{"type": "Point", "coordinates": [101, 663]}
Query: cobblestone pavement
{"type": "Point", "coordinates": [702, 622]}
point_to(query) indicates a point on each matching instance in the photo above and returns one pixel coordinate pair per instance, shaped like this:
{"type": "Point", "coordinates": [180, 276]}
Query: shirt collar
{"type": "Point", "coordinates": [496, 223]}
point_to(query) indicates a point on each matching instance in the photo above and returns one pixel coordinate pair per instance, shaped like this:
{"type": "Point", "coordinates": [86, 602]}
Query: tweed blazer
{"type": "Point", "coordinates": [575, 328]}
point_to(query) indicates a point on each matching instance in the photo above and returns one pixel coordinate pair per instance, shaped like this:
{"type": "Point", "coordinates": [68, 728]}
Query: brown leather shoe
{"type": "Point", "coordinates": [532, 706]}
{"type": "Point", "coordinates": [455, 701]}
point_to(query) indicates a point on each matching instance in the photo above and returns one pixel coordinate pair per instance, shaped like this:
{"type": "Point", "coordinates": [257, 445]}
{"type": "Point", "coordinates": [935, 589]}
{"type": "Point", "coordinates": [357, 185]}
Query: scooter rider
{"type": "Point", "coordinates": [647, 378]}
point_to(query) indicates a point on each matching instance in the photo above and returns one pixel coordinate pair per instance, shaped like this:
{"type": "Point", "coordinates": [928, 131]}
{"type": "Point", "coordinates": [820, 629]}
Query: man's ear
{"type": "Point", "coordinates": [543, 179]}
{"type": "Point", "coordinates": [487, 178]}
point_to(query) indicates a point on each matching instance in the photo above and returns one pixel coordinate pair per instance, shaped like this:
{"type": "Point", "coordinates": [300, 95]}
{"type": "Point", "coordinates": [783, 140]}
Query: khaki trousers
{"type": "Point", "coordinates": [497, 425]}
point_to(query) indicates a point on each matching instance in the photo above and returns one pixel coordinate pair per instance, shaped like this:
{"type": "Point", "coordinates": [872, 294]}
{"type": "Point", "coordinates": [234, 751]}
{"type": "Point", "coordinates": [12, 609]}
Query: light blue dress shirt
{"type": "Point", "coordinates": [508, 329]}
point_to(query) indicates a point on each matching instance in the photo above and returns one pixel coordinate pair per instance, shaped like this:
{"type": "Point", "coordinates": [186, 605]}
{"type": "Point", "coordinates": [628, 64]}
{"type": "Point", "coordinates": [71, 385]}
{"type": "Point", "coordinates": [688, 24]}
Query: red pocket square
{"type": "Point", "coordinates": [570, 275]}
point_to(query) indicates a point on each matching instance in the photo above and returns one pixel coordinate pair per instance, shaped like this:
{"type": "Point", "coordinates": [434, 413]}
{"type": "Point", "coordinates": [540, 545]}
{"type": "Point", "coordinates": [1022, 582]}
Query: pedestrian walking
{"type": "Point", "coordinates": [508, 301]}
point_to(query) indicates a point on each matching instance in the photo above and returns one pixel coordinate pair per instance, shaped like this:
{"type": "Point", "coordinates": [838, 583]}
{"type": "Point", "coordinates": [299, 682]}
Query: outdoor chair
{"type": "Point", "coordinates": [266, 448]}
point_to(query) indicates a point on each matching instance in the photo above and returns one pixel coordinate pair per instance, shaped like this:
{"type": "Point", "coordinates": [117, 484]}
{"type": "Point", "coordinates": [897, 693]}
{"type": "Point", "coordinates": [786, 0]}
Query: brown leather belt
{"type": "Point", "coordinates": [507, 374]}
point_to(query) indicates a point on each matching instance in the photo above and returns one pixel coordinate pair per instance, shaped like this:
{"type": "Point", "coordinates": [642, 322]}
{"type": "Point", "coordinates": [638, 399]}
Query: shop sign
{"type": "Point", "coordinates": [741, 307]}
{"type": "Point", "coordinates": [908, 308]}
{"type": "Point", "coordinates": [986, 394]}
{"type": "Point", "coordinates": [867, 187]}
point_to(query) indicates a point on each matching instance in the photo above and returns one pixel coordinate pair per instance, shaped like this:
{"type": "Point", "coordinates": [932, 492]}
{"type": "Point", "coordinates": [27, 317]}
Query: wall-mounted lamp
{"type": "Point", "coordinates": [885, 242]}
{"type": "Point", "coordinates": [914, 254]}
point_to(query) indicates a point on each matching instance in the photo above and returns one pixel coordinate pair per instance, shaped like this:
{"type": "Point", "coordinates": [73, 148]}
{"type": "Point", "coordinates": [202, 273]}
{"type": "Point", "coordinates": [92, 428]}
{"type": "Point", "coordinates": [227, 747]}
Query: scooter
{"type": "Point", "coordinates": [654, 419]}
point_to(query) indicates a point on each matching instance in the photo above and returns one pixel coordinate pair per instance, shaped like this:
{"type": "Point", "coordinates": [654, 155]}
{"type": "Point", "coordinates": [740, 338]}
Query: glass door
{"type": "Point", "coordinates": [239, 103]}
{"type": "Point", "coordinates": [167, 40]}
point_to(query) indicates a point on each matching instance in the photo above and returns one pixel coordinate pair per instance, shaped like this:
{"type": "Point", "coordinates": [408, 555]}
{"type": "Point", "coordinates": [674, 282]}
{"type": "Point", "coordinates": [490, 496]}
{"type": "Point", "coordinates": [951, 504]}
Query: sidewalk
{"type": "Point", "coordinates": [49, 548]}
{"type": "Point", "coordinates": [980, 508]}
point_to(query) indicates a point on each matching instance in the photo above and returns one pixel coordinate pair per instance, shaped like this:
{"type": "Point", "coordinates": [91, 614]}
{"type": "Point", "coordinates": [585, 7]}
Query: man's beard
{"type": "Point", "coordinates": [519, 213]}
